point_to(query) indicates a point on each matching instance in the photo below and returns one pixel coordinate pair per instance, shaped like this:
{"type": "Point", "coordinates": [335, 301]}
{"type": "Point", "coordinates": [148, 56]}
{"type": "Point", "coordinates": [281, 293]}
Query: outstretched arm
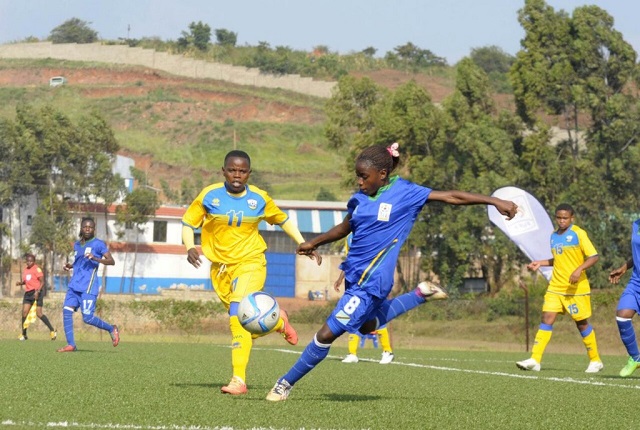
{"type": "Point", "coordinates": [615, 274]}
{"type": "Point", "coordinates": [455, 197]}
{"type": "Point", "coordinates": [338, 232]}
{"type": "Point", "coordinates": [293, 232]}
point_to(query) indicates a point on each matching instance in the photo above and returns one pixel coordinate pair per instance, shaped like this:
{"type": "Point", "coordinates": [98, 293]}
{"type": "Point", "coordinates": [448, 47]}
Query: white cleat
{"type": "Point", "coordinates": [387, 357]}
{"type": "Point", "coordinates": [431, 291]}
{"type": "Point", "coordinates": [594, 367]}
{"type": "Point", "coordinates": [351, 358]}
{"type": "Point", "coordinates": [528, 364]}
{"type": "Point", "coordinates": [279, 392]}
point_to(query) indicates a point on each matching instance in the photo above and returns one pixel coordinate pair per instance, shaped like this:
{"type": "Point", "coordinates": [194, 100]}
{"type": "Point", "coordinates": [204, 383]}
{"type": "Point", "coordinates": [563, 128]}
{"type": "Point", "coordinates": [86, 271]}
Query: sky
{"type": "Point", "coordinates": [449, 29]}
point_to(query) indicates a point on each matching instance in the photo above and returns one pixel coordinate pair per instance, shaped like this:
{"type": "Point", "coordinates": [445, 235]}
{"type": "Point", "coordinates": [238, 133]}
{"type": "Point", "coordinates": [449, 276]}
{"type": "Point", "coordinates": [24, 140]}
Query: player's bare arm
{"type": "Point", "coordinates": [338, 232]}
{"type": "Point", "coordinates": [455, 197]}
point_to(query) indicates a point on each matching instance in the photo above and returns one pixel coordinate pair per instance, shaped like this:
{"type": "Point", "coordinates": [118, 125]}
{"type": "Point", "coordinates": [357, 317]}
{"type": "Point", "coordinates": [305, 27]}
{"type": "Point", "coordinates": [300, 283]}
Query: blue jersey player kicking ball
{"type": "Point", "coordinates": [89, 253]}
{"type": "Point", "coordinates": [380, 217]}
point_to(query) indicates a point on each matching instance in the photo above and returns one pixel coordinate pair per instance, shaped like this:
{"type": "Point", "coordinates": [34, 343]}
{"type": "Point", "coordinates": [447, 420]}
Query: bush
{"type": "Point", "coordinates": [184, 315]}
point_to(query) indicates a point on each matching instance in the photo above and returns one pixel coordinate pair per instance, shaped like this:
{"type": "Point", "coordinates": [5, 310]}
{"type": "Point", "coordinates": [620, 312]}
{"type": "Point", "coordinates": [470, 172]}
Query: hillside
{"type": "Point", "coordinates": [179, 128]}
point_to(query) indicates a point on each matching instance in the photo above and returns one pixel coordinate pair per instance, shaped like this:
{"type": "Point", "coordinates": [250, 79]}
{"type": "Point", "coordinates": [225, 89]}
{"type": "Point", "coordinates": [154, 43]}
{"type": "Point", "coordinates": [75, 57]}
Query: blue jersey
{"type": "Point", "coordinates": [634, 282]}
{"type": "Point", "coordinates": [380, 225]}
{"type": "Point", "coordinates": [84, 278]}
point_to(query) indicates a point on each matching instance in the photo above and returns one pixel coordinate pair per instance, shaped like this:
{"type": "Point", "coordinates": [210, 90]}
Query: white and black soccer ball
{"type": "Point", "coordinates": [258, 312]}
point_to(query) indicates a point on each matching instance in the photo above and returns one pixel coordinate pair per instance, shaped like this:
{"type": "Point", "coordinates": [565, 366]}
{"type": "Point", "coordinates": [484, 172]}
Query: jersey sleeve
{"type": "Point", "coordinates": [102, 249]}
{"type": "Point", "coordinates": [585, 243]}
{"type": "Point", "coordinates": [194, 216]}
{"type": "Point", "coordinates": [272, 213]}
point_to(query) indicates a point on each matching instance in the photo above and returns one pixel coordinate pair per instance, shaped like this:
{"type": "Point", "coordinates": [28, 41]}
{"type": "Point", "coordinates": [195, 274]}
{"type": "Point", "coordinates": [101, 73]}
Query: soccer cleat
{"type": "Point", "coordinates": [115, 335]}
{"type": "Point", "coordinates": [53, 335]}
{"type": "Point", "coordinates": [629, 368]}
{"type": "Point", "coordinates": [22, 338]}
{"type": "Point", "coordinates": [528, 364]}
{"type": "Point", "coordinates": [594, 367]}
{"type": "Point", "coordinates": [279, 392]}
{"type": "Point", "coordinates": [387, 357]}
{"type": "Point", "coordinates": [351, 358]}
{"type": "Point", "coordinates": [288, 332]}
{"type": "Point", "coordinates": [431, 291]}
{"type": "Point", "coordinates": [235, 387]}
{"type": "Point", "coordinates": [68, 348]}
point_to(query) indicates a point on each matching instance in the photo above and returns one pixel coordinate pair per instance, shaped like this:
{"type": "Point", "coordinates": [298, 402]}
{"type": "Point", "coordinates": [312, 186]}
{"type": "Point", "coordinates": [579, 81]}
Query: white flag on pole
{"type": "Point", "coordinates": [530, 229]}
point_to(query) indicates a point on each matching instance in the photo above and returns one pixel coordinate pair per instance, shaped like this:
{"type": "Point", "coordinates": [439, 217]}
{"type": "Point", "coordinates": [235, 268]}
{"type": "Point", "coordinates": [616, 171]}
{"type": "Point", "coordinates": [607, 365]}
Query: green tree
{"type": "Point", "coordinates": [73, 30]}
{"type": "Point", "coordinates": [46, 154]}
{"type": "Point", "coordinates": [199, 36]}
{"type": "Point", "coordinates": [139, 207]}
{"type": "Point", "coordinates": [462, 145]}
{"type": "Point", "coordinates": [415, 57]}
{"type": "Point", "coordinates": [369, 51]}
{"type": "Point", "coordinates": [226, 37]}
{"type": "Point", "coordinates": [579, 69]}
{"type": "Point", "coordinates": [492, 59]}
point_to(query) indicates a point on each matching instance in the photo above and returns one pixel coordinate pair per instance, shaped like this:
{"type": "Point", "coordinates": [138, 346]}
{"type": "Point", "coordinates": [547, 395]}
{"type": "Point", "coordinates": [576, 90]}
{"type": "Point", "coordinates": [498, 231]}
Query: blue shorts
{"type": "Point", "coordinates": [629, 299]}
{"type": "Point", "coordinates": [354, 308]}
{"type": "Point", "coordinates": [83, 301]}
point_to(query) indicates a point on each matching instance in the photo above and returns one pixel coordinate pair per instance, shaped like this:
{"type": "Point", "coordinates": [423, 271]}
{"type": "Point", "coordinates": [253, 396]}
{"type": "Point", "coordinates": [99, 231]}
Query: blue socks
{"type": "Point", "coordinates": [397, 306]}
{"type": "Point", "coordinates": [312, 355]}
{"type": "Point", "coordinates": [97, 322]}
{"type": "Point", "coordinates": [67, 321]}
{"type": "Point", "coordinates": [315, 352]}
{"type": "Point", "coordinates": [628, 337]}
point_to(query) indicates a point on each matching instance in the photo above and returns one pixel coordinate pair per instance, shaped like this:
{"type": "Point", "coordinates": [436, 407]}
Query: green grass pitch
{"type": "Point", "coordinates": [177, 386]}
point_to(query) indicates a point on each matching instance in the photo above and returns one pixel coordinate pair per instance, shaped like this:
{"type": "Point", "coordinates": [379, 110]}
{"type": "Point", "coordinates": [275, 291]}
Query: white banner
{"type": "Point", "coordinates": [530, 229]}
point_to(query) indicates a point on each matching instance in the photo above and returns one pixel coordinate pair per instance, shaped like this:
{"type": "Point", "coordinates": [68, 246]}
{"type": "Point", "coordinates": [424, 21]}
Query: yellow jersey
{"type": "Point", "coordinates": [230, 222]}
{"type": "Point", "coordinates": [570, 249]}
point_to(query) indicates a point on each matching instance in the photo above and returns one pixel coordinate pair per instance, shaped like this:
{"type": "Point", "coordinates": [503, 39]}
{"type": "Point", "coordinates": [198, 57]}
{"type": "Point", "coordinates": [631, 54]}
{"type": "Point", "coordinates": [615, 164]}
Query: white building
{"type": "Point", "coordinates": [153, 258]}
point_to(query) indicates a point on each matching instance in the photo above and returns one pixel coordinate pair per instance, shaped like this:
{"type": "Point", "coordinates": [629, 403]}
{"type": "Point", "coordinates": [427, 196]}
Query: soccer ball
{"type": "Point", "coordinates": [258, 312]}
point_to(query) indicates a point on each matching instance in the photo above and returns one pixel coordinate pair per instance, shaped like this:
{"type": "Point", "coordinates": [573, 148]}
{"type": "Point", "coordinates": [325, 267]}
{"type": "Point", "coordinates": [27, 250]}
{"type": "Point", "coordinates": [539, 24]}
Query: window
{"type": "Point", "coordinates": [159, 231]}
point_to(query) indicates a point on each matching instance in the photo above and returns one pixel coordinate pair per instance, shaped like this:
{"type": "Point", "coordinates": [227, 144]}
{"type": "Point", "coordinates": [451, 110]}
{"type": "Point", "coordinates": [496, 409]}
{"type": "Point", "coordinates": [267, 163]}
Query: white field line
{"type": "Point", "coordinates": [71, 424]}
{"type": "Point", "coordinates": [599, 383]}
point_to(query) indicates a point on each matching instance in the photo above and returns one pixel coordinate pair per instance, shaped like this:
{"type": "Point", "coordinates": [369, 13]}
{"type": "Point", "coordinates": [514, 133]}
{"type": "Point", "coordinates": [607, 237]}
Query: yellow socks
{"type": "Point", "coordinates": [353, 343]}
{"type": "Point", "coordinates": [385, 339]}
{"type": "Point", "coordinates": [240, 348]}
{"type": "Point", "coordinates": [543, 336]}
{"type": "Point", "coordinates": [590, 343]}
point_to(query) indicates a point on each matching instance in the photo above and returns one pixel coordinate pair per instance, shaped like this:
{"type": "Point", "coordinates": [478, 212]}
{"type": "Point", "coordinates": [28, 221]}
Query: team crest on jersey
{"type": "Point", "coordinates": [569, 238]}
{"type": "Point", "coordinates": [253, 203]}
{"type": "Point", "coordinates": [384, 212]}
{"type": "Point", "coordinates": [215, 202]}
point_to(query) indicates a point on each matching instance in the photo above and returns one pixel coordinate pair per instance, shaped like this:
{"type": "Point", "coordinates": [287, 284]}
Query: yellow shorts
{"type": "Point", "coordinates": [578, 307]}
{"type": "Point", "coordinates": [232, 282]}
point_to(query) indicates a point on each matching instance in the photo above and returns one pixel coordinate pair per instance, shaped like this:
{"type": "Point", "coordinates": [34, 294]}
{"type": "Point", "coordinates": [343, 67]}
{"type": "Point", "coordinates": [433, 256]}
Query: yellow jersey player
{"type": "Point", "coordinates": [229, 213]}
{"type": "Point", "coordinates": [569, 291]}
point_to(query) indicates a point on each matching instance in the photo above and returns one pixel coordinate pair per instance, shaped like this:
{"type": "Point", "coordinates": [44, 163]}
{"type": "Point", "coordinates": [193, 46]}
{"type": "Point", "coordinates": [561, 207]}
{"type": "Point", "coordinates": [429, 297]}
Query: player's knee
{"type": "Point", "coordinates": [88, 319]}
{"type": "Point", "coordinates": [325, 335]}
